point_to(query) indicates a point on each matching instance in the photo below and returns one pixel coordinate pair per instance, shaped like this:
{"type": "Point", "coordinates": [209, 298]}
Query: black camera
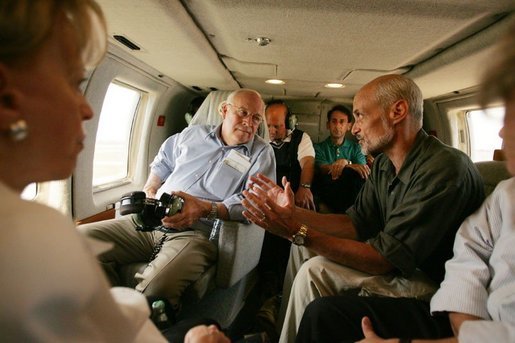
{"type": "Point", "coordinates": [149, 212]}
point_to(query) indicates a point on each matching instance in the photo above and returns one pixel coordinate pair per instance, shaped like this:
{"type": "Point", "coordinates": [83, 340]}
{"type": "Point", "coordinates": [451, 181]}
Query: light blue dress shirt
{"type": "Point", "coordinates": [193, 162]}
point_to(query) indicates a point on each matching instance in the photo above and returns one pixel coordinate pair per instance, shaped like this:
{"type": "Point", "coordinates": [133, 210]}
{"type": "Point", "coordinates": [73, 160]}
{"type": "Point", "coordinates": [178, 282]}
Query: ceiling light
{"type": "Point", "coordinates": [261, 41]}
{"type": "Point", "coordinates": [275, 82]}
{"type": "Point", "coordinates": [334, 85]}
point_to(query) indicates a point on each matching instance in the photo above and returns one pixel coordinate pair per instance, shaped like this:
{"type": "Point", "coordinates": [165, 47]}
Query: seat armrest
{"type": "Point", "coordinates": [239, 250]}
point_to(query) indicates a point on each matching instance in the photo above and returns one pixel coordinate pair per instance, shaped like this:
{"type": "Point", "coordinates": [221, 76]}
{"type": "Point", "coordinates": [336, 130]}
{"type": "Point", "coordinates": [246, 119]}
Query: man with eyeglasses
{"type": "Point", "coordinates": [208, 167]}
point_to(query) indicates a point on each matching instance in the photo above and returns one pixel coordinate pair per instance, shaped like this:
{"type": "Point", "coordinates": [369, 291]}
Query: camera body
{"type": "Point", "coordinates": [149, 211]}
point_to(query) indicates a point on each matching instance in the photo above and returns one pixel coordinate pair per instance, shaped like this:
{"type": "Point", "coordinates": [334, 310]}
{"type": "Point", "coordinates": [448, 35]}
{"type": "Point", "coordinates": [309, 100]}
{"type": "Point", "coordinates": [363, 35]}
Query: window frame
{"type": "Point", "coordinates": [134, 131]}
{"type": "Point", "coordinates": [466, 118]}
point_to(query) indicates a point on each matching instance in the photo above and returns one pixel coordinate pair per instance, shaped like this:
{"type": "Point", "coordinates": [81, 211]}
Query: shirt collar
{"type": "Point", "coordinates": [409, 163]}
{"type": "Point", "coordinates": [346, 143]}
{"type": "Point", "coordinates": [216, 134]}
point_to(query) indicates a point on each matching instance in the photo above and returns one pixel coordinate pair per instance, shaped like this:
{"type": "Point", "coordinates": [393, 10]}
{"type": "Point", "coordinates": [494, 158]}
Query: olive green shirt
{"type": "Point", "coordinates": [411, 218]}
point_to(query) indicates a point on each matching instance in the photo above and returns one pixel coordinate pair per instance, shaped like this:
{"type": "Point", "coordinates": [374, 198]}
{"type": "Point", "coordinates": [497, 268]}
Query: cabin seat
{"type": "Point", "coordinates": [492, 173]}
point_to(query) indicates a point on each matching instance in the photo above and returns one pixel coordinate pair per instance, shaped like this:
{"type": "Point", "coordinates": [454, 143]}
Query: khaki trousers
{"type": "Point", "coordinates": [309, 276]}
{"type": "Point", "coordinates": [183, 257]}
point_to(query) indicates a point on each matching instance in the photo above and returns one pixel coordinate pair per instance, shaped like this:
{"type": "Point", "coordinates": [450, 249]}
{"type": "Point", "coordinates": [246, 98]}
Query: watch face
{"type": "Point", "coordinates": [298, 240]}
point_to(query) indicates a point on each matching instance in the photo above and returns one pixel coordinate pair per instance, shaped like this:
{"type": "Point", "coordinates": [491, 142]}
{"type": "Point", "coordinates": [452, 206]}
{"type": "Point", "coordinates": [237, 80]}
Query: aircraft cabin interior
{"type": "Point", "coordinates": [312, 54]}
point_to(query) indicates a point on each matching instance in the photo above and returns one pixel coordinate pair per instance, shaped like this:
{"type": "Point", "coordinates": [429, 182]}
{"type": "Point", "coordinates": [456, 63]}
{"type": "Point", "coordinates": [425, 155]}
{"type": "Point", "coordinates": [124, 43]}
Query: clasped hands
{"type": "Point", "coordinates": [336, 169]}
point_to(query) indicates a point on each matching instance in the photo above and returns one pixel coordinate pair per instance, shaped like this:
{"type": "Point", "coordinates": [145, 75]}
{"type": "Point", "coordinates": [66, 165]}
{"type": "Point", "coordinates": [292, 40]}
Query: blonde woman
{"type": "Point", "coordinates": [52, 287]}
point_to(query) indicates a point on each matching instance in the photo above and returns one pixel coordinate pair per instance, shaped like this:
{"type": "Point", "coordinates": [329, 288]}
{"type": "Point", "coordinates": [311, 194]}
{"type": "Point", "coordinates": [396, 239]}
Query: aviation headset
{"type": "Point", "coordinates": [290, 121]}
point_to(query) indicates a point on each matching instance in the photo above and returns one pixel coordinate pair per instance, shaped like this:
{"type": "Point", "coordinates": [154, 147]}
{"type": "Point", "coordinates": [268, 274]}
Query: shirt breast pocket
{"type": "Point", "coordinates": [225, 181]}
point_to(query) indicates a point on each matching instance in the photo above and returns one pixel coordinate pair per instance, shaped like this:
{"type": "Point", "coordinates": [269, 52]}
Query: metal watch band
{"type": "Point", "coordinates": [305, 185]}
{"type": "Point", "coordinates": [299, 238]}
{"type": "Point", "coordinates": [213, 214]}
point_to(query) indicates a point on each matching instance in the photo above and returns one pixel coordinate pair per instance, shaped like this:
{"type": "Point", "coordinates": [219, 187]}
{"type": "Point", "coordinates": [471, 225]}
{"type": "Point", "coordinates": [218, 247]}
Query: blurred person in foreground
{"type": "Point", "coordinates": [475, 301]}
{"type": "Point", "coordinates": [53, 289]}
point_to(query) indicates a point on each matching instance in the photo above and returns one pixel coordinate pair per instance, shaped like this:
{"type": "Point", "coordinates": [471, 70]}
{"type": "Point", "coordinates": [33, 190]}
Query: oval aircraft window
{"type": "Point", "coordinates": [111, 158]}
{"type": "Point", "coordinates": [30, 192]}
{"type": "Point", "coordinates": [484, 127]}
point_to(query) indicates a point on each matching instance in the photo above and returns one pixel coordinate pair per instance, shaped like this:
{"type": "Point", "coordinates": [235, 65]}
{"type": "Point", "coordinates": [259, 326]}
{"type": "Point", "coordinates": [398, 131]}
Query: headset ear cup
{"type": "Point", "coordinates": [292, 121]}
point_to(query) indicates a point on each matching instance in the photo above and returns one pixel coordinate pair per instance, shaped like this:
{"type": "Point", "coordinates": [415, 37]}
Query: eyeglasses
{"type": "Point", "coordinates": [242, 112]}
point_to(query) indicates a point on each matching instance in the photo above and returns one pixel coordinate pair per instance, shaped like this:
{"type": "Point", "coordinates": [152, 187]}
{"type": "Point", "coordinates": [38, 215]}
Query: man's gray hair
{"type": "Point", "coordinates": [399, 87]}
{"type": "Point", "coordinates": [237, 92]}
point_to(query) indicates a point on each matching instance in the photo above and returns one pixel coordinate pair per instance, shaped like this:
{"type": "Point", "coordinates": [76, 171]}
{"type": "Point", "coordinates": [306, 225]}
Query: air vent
{"type": "Point", "coordinates": [126, 42]}
{"type": "Point", "coordinates": [197, 88]}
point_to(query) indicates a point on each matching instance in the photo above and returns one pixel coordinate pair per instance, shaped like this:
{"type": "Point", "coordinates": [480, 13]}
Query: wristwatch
{"type": "Point", "coordinates": [300, 237]}
{"type": "Point", "coordinates": [305, 185]}
{"type": "Point", "coordinates": [213, 214]}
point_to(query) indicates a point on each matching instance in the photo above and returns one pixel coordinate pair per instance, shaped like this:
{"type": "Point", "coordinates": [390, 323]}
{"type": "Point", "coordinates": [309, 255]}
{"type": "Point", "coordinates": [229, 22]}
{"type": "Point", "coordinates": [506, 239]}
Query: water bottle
{"type": "Point", "coordinates": [159, 316]}
{"type": "Point", "coordinates": [215, 231]}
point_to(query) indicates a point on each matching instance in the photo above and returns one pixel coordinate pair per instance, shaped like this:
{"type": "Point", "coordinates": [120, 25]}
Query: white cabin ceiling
{"type": "Point", "coordinates": [204, 43]}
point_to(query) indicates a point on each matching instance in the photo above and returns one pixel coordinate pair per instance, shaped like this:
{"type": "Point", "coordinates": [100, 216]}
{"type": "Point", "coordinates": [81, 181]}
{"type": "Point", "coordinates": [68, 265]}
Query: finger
{"type": "Point", "coordinates": [368, 330]}
{"type": "Point", "coordinates": [256, 197]}
{"type": "Point", "coordinates": [212, 328]}
{"type": "Point", "coordinates": [253, 207]}
{"type": "Point", "coordinates": [366, 171]}
{"type": "Point", "coordinates": [258, 191]}
{"type": "Point", "coordinates": [264, 182]}
{"type": "Point", "coordinates": [248, 203]}
{"type": "Point", "coordinates": [259, 182]}
{"type": "Point", "coordinates": [252, 216]}
{"type": "Point", "coordinates": [259, 202]}
{"type": "Point", "coordinates": [258, 220]}
{"type": "Point", "coordinates": [258, 206]}
{"type": "Point", "coordinates": [265, 179]}
{"type": "Point", "coordinates": [288, 189]}
{"type": "Point", "coordinates": [311, 205]}
{"type": "Point", "coordinates": [179, 193]}
{"type": "Point", "coordinates": [170, 221]}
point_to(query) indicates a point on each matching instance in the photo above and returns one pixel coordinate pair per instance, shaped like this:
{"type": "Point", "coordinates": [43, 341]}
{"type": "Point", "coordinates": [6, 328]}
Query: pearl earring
{"type": "Point", "coordinates": [18, 130]}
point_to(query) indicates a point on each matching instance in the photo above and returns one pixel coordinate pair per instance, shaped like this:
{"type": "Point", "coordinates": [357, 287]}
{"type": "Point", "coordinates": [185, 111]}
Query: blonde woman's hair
{"type": "Point", "coordinates": [26, 24]}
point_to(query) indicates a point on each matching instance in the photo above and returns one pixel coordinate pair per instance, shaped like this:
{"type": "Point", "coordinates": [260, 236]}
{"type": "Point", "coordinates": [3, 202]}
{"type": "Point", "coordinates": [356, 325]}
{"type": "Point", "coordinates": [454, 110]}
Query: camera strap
{"type": "Point", "coordinates": [157, 247]}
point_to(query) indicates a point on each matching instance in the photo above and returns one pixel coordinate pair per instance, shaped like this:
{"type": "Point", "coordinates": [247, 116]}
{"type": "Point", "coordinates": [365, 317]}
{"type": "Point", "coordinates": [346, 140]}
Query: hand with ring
{"type": "Point", "coordinates": [270, 206]}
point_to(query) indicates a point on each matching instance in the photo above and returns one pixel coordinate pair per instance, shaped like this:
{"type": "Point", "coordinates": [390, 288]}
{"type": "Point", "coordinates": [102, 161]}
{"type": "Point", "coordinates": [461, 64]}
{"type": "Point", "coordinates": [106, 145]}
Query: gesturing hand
{"type": "Point", "coordinates": [270, 206]}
